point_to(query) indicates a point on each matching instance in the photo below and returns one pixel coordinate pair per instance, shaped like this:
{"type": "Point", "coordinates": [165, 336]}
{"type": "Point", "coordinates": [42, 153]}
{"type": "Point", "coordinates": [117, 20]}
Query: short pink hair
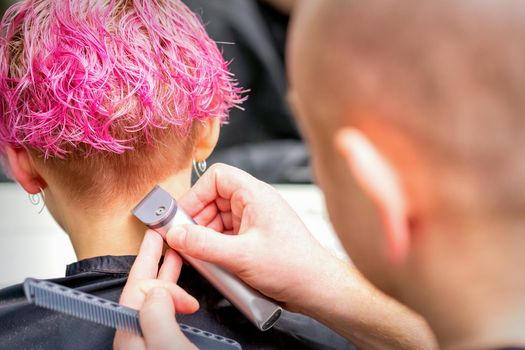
{"type": "Point", "coordinates": [93, 75]}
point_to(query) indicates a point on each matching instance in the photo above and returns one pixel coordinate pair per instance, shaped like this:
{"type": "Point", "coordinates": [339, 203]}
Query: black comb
{"type": "Point", "coordinates": [107, 313]}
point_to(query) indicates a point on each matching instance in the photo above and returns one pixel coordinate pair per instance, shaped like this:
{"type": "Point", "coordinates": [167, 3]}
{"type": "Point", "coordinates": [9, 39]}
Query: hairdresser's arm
{"type": "Point", "coordinates": [268, 246]}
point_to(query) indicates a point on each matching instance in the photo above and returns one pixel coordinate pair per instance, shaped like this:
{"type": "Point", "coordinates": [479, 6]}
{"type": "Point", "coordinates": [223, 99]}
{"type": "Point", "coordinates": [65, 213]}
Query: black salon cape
{"type": "Point", "coordinates": [24, 326]}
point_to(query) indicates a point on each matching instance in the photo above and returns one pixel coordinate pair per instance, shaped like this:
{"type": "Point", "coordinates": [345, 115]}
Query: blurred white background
{"type": "Point", "coordinates": [31, 244]}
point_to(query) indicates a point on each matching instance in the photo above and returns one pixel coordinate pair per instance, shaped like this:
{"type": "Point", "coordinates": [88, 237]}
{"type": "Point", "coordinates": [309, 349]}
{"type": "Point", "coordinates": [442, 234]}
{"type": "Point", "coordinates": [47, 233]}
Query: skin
{"type": "Point", "coordinates": [410, 248]}
{"type": "Point", "coordinates": [149, 289]}
{"type": "Point", "coordinates": [229, 201]}
{"type": "Point", "coordinates": [450, 263]}
{"type": "Point", "coordinates": [87, 228]}
{"type": "Point", "coordinates": [154, 291]}
{"type": "Point", "coordinates": [429, 263]}
{"type": "Point", "coordinates": [376, 321]}
{"type": "Point", "coordinates": [239, 232]}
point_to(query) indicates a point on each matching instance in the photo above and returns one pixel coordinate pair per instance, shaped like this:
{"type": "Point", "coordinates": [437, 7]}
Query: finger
{"type": "Point", "coordinates": [210, 217]}
{"type": "Point", "coordinates": [223, 204]}
{"type": "Point", "coordinates": [206, 215]}
{"type": "Point", "coordinates": [227, 221]}
{"type": "Point", "coordinates": [171, 266]}
{"type": "Point", "coordinates": [220, 181]}
{"type": "Point", "coordinates": [128, 341]}
{"type": "Point", "coordinates": [216, 224]}
{"type": "Point", "coordinates": [157, 320]}
{"type": "Point", "coordinates": [184, 302]}
{"type": "Point", "coordinates": [206, 244]}
{"type": "Point", "coordinates": [146, 264]}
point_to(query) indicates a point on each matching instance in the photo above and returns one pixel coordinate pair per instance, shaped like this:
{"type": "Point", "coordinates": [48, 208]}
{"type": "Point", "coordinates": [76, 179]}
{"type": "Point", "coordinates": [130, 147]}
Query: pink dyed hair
{"type": "Point", "coordinates": [99, 75]}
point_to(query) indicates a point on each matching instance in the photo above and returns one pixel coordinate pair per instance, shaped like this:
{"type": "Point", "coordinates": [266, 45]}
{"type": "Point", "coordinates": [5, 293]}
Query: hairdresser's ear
{"type": "Point", "coordinates": [207, 138]}
{"type": "Point", "coordinates": [23, 170]}
{"type": "Point", "coordinates": [379, 181]}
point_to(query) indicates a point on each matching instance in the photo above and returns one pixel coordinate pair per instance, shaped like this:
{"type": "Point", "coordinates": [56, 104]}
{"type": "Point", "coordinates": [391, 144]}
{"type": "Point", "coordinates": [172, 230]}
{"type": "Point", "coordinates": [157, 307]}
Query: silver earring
{"type": "Point", "coordinates": [199, 167]}
{"type": "Point", "coordinates": [36, 198]}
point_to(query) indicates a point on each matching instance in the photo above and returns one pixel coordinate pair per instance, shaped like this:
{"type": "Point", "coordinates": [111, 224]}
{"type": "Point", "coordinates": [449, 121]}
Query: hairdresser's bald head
{"type": "Point", "coordinates": [438, 88]}
{"type": "Point", "coordinates": [447, 76]}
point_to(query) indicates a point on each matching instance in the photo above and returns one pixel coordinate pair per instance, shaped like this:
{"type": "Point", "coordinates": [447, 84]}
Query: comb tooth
{"type": "Point", "coordinates": [103, 314]}
{"type": "Point", "coordinates": [126, 322]}
{"type": "Point", "coordinates": [114, 317]}
{"type": "Point", "coordinates": [36, 299]}
{"type": "Point", "coordinates": [56, 301]}
{"type": "Point", "coordinates": [118, 319]}
{"type": "Point", "coordinates": [77, 307]}
{"type": "Point", "coordinates": [59, 301]}
{"type": "Point", "coordinates": [53, 300]}
{"type": "Point", "coordinates": [94, 312]}
{"type": "Point", "coordinates": [129, 322]}
{"type": "Point", "coordinates": [48, 298]}
{"type": "Point", "coordinates": [65, 301]}
{"type": "Point", "coordinates": [82, 310]}
{"type": "Point", "coordinates": [85, 311]}
{"type": "Point", "coordinates": [73, 306]}
{"type": "Point", "coordinates": [107, 319]}
{"type": "Point", "coordinates": [45, 297]}
{"type": "Point", "coordinates": [97, 314]}
{"type": "Point", "coordinates": [122, 321]}
{"type": "Point", "coordinates": [136, 325]}
{"type": "Point", "coordinates": [40, 297]}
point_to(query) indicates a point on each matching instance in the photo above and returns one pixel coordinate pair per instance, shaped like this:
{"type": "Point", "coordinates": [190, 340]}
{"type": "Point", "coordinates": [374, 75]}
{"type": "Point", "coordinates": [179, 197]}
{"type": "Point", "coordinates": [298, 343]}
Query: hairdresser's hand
{"type": "Point", "coordinates": [268, 246]}
{"type": "Point", "coordinates": [264, 241]}
{"type": "Point", "coordinates": [154, 291]}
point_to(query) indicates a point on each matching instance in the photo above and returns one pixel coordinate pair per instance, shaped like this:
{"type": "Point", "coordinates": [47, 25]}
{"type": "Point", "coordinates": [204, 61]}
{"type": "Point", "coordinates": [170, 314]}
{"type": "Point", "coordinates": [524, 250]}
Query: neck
{"type": "Point", "coordinates": [471, 291]}
{"type": "Point", "coordinates": [117, 232]}
{"type": "Point", "coordinates": [481, 320]}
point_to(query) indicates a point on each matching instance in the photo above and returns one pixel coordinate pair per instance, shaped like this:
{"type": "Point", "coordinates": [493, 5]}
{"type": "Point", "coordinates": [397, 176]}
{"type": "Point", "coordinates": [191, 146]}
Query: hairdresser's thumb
{"type": "Point", "coordinates": [204, 244]}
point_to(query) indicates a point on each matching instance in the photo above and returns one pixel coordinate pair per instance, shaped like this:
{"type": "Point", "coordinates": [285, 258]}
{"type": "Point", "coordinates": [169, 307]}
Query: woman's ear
{"type": "Point", "coordinates": [379, 181]}
{"type": "Point", "coordinates": [23, 170]}
{"type": "Point", "coordinates": [207, 138]}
